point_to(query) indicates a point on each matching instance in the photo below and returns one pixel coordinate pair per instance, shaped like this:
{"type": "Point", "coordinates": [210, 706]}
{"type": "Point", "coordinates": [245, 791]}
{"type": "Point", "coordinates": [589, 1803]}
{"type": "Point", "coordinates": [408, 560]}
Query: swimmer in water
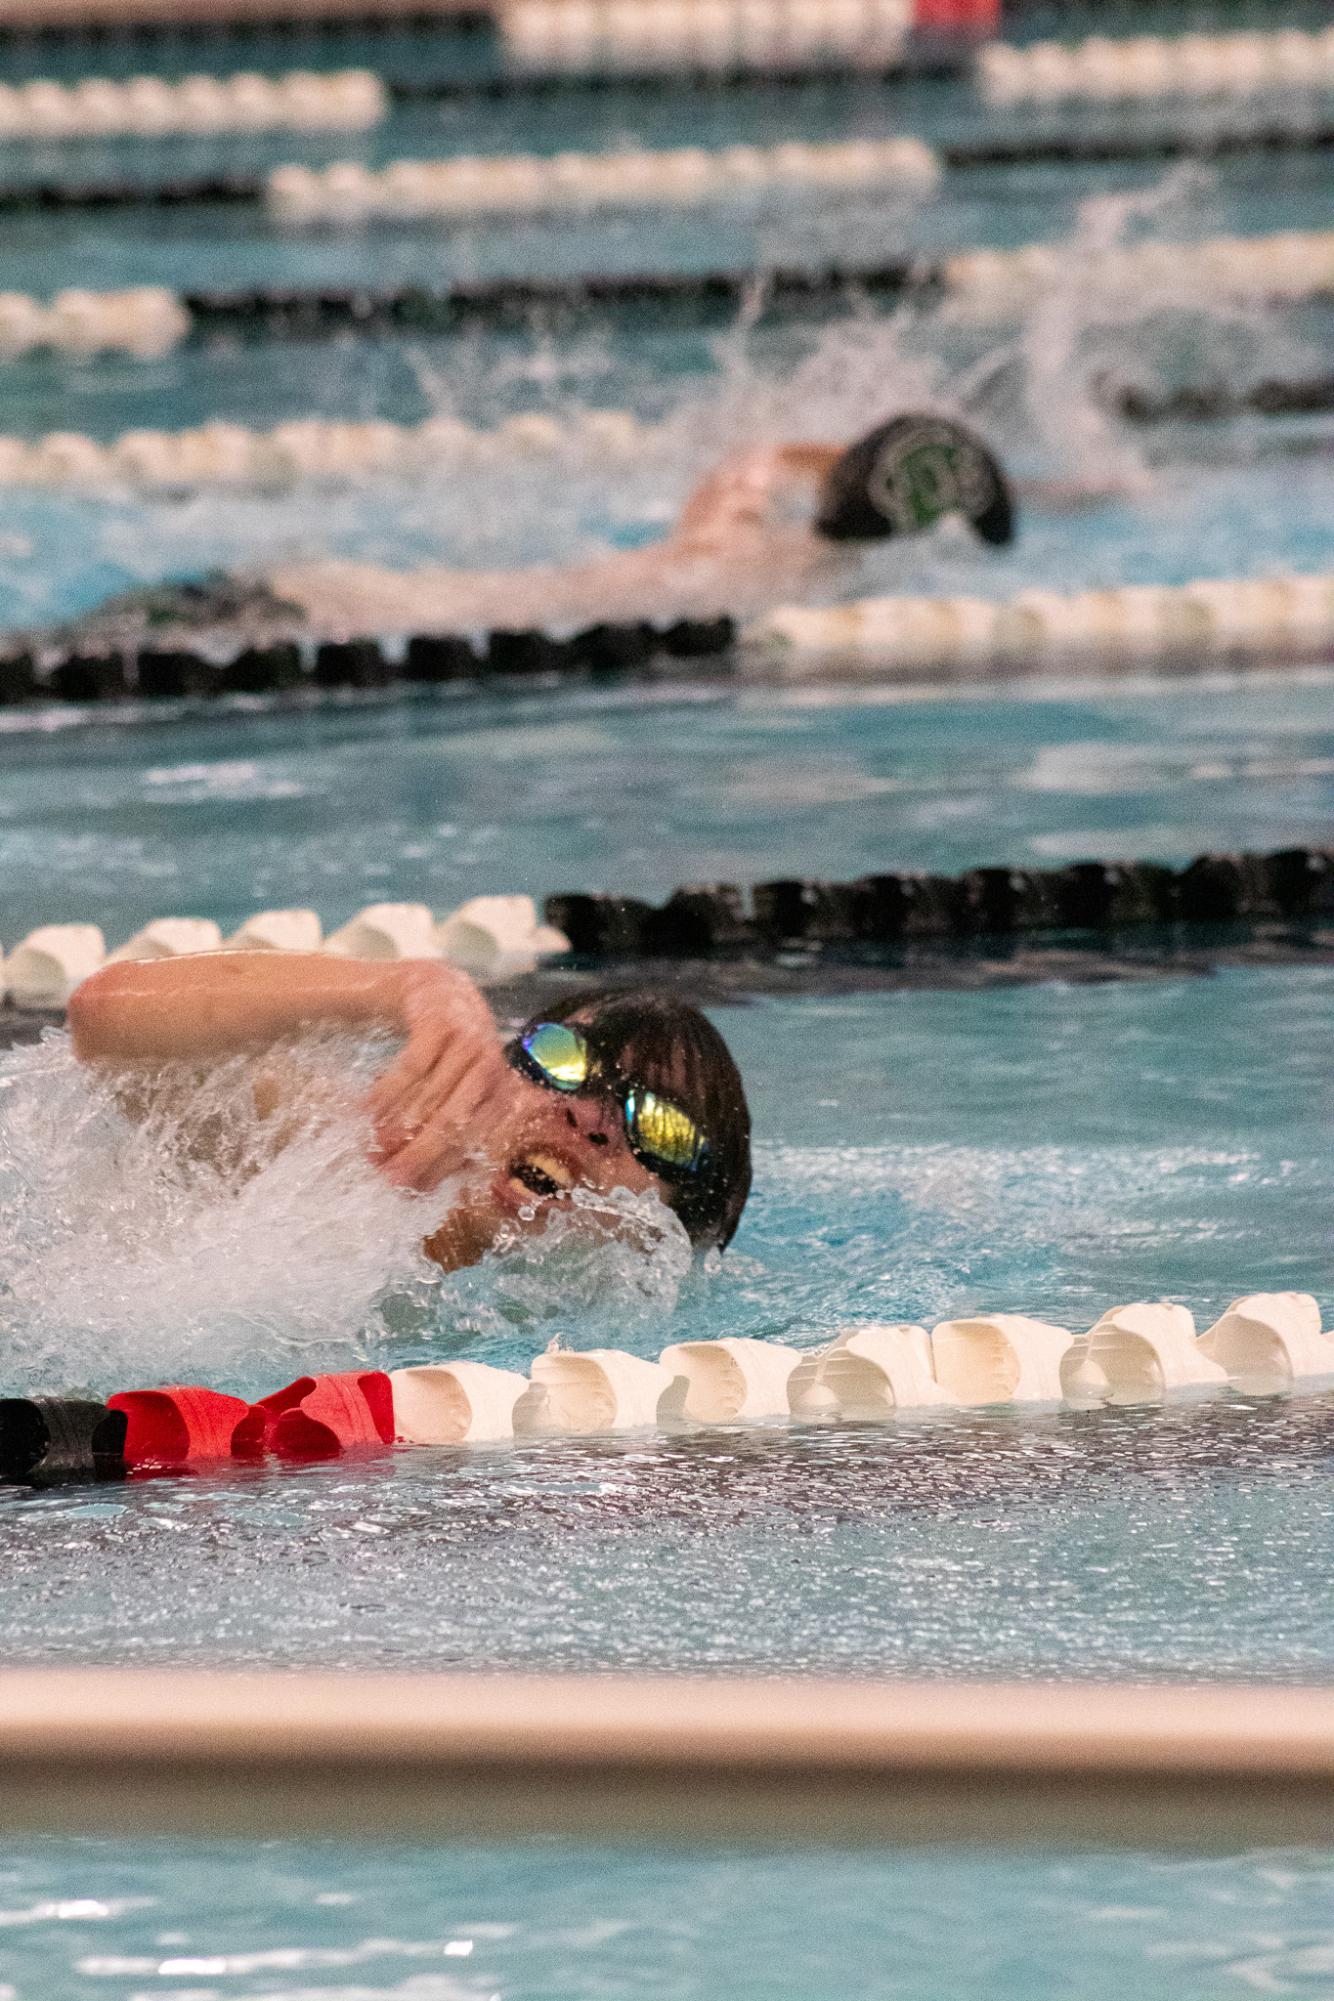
{"type": "Point", "coordinates": [781, 523]}
{"type": "Point", "coordinates": [608, 1091]}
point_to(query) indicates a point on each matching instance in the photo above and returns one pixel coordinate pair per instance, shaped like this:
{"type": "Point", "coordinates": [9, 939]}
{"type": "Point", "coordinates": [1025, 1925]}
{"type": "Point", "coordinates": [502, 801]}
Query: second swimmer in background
{"type": "Point", "coordinates": [777, 524]}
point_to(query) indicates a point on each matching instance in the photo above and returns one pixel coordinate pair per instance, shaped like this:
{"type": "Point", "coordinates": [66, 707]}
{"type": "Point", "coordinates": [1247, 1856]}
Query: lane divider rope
{"type": "Point", "coordinates": [1285, 267]}
{"type": "Point", "coordinates": [325, 452]}
{"type": "Point", "coordinates": [1105, 71]}
{"type": "Point", "coordinates": [524, 184]}
{"type": "Point", "coordinates": [501, 937]}
{"type": "Point", "coordinates": [642, 36]}
{"type": "Point", "coordinates": [1227, 621]}
{"type": "Point", "coordinates": [1219, 619]}
{"type": "Point", "coordinates": [1287, 886]}
{"type": "Point", "coordinates": [93, 22]}
{"type": "Point", "coordinates": [148, 107]}
{"type": "Point", "coordinates": [1142, 1353]}
{"type": "Point", "coordinates": [311, 449]}
{"type": "Point", "coordinates": [171, 664]}
{"type": "Point", "coordinates": [490, 937]}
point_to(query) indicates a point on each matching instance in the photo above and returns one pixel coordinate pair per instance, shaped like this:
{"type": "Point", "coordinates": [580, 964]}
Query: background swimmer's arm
{"type": "Point", "coordinates": [741, 492]}
{"type": "Point", "coordinates": [1069, 496]}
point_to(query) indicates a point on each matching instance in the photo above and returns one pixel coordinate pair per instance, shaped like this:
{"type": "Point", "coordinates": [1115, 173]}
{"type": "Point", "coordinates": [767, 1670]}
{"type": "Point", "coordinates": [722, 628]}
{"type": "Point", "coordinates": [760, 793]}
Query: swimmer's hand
{"type": "Point", "coordinates": [449, 1096]}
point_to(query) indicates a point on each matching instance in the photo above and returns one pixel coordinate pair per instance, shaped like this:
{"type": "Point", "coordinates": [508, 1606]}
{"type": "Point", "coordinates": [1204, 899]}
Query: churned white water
{"type": "Point", "coordinates": [198, 1241]}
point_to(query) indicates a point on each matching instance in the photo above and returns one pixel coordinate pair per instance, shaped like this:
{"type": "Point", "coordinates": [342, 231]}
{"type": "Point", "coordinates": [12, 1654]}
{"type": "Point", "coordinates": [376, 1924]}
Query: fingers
{"type": "Point", "coordinates": [456, 1078]}
{"type": "Point", "coordinates": [451, 1032]}
{"type": "Point", "coordinates": [390, 1099]}
{"type": "Point", "coordinates": [462, 1127]}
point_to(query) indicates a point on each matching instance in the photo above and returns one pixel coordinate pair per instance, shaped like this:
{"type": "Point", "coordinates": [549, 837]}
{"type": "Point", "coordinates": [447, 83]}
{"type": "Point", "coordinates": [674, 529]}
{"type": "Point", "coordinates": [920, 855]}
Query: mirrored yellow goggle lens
{"type": "Point", "coordinates": [663, 1129]}
{"type": "Point", "coordinates": [560, 1054]}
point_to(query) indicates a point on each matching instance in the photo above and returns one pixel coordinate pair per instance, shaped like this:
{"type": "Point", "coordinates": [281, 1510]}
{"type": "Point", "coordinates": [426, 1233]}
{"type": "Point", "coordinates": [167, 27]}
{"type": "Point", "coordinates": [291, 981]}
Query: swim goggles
{"type": "Point", "coordinates": [662, 1137]}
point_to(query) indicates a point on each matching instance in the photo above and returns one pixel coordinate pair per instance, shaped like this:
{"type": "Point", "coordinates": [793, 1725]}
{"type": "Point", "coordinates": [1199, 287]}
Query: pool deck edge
{"type": "Point", "coordinates": [629, 1759]}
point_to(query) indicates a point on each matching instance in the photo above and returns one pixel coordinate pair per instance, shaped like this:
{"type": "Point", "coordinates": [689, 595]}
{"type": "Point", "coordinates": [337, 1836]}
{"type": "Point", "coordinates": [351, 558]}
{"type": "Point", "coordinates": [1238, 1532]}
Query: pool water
{"type": "Point", "coordinates": [1050, 1149]}
{"type": "Point", "coordinates": [86, 1922]}
{"type": "Point", "coordinates": [637, 790]}
{"type": "Point", "coordinates": [1110, 1143]}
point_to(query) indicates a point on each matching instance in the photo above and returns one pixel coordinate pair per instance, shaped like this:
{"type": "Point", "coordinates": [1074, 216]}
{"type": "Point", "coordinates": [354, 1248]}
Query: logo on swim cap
{"type": "Point", "coordinates": [924, 473]}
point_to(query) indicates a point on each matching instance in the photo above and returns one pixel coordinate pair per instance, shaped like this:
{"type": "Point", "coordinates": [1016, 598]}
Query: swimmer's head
{"type": "Point", "coordinates": [906, 475]}
{"type": "Point", "coordinates": [663, 1102]}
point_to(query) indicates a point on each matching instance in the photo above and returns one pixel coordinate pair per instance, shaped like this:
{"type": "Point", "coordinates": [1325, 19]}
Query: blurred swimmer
{"type": "Point", "coordinates": [609, 1091]}
{"type": "Point", "coordinates": [781, 523]}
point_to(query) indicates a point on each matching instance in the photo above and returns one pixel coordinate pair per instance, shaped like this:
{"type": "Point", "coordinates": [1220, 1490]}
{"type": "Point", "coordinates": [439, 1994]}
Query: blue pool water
{"type": "Point", "coordinates": [1049, 1149]}
{"type": "Point", "coordinates": [637, 790]}
{"type": "Point", "coordinates": [82, 1920]}
{"type": "Point", "coordinates": [1106, 1144]}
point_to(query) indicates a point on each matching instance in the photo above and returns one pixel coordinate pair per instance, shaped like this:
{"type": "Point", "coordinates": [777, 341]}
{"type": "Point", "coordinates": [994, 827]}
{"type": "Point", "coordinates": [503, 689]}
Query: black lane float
{"type": "Point", "coordinates": [48, 1439]}
{"type": "Point", "coordinates": [1291, 885]}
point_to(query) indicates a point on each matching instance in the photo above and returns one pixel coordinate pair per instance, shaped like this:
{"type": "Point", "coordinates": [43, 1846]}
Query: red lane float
{"type": "Point", "coordinates": [320, 1417]}
{"type": "Point", "coordinates": [182, 1426]}
{"type": "Point", "coordinates": [957, 17]}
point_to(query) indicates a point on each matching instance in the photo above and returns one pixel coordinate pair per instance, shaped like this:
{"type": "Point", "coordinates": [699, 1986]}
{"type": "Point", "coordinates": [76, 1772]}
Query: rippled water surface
{"type": "Point", "coordinates": [83, 1921]}
{"type": "Point", "coordinates": [1106, 1143]}
{"type": "Point", "coordinates": [919, 1155]}
{"type": "Point", "coordinates": [637, 791]}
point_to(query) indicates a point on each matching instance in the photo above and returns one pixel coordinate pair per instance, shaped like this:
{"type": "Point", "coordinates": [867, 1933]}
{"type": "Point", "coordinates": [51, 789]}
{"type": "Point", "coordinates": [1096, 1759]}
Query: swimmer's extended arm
{"type": "Point", "coordinates": [447, 1086]}
{"type": "Point", "coordinates": [741, 492]}
{"type": "Point", "coordinates": [219, 1003]}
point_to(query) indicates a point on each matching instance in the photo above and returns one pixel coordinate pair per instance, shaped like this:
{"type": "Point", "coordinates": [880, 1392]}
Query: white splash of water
{"type": "Point", "coordinates": [128, 1253]}
{"type": "Point", "coordinates": [197, 1241]}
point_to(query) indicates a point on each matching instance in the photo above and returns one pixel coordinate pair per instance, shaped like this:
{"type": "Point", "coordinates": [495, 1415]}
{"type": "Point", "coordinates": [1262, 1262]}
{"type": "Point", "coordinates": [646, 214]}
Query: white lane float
{"type": "Point", "coordinates": [1266, 1341]}
{"type": "Point", "coordinates": [170, 938]}
{"type": "Point", "coordinates": [386, 931]}
{"type": "Point", "coordinates": [595, 1390]}
{"type": "Point", "coordinates": [700, 37]}
{"type": "Point", "coordinates": [1237, 619]}
{"type": "Point", "coordinates": [278, 931]}
{"type": "Point", "coordinates": [45, 967]}
{"type": "Point", "coordinates": [1143, 67]}
{"type": "Point", "coordinates": [1139, 1354]}
{"type": "Point", "coordinates": [996, 1358]}
{"type": "Point", "coordinates": [865, 1374]}
{"type": "Point", "coordinates": [149, 107]}
{"type": "Point", "coordinates": [456, 1403]}
{"type": "Point", "coordinates": [349, 194]}
{"type": "Point", "coordinates": [144, 320]}
{"type": "Point", "coordinates": [1284, 266]}
{"type": "Point", "coordinates": [497, 937]}
{"type": "Point", "coordinates": [490, 937]}
{"type": "Point", "coordinates": [733, 1381]}
{"type": "Point", "coordinates": [311, 451]}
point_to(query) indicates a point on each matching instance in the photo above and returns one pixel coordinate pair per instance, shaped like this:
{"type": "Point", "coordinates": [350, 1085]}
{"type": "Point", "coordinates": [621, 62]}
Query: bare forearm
{"type": "Point", "coordinates": [217, 1003]}
{"type": "Point", "coordinates": [809, 460]}
{"type": "Point", "coordinates": [743, 489]}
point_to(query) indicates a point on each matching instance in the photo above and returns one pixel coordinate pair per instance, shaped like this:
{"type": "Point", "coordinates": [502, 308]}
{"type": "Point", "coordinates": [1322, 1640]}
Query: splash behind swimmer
{"type": "Point", "coordinates": [627, 1093]}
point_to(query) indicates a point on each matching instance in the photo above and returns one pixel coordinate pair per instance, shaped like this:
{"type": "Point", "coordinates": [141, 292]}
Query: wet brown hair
{"type": "Point", "coordinates": [669, 1047]}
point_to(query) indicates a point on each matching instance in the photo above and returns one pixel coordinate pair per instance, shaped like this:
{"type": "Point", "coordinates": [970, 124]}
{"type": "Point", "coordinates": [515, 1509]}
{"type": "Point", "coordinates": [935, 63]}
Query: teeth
{"type": "Point", "coordinates": [542, 1174]}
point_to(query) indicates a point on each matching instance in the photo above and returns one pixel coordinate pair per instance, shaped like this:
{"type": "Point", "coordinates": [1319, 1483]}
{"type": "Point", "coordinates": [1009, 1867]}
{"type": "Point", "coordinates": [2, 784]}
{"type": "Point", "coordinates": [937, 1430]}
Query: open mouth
{"type": "Point", "coordinates": [542, 1174]}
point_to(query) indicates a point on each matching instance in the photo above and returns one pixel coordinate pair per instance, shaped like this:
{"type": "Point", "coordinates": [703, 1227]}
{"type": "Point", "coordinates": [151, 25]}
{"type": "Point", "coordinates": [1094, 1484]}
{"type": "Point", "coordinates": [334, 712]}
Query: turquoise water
{"type": "Point", "coordinates": [1050, 1149]}
{"type": "Point", "coordinates": [82, 1920]}
{"type": "Point", "coordinates": [1105, 1144]}
{"type": "Point", "coordinates": [637, 791]}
